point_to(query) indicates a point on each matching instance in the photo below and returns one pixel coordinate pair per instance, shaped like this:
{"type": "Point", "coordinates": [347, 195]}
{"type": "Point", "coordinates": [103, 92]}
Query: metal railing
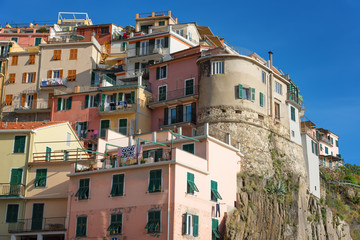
{"type": "Point", "coordinates": [53, 82]}
{"type": "Point", "coordinates": [175, 94]}
{"type": "Point", "coordinates": [325, 140]}
{"type": "Point", "coordinates": [38, 224]}
{"type": "Point", "coordinates": [62, 155]}
{"type": "Point", "coordinates": [163, 123]}
{"type": "Point", "coordinates": [12, 190]}
{"type": "Point", "coordinates": [161, 13]}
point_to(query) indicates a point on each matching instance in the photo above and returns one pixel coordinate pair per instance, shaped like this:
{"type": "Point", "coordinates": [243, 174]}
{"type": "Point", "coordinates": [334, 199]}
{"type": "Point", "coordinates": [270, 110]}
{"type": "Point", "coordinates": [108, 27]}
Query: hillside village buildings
{"type": "Point", "coordinates": [110, 131]}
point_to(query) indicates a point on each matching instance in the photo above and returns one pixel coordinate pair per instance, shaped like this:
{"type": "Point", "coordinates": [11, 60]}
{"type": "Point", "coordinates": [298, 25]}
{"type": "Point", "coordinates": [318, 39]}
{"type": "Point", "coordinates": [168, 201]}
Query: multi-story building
{"type": "Point", "coordinates": [329, 148]}
{"type": "Point", "coordinates": [174, 189]}
{"type": "Point", "coordinates": [311, 155]}
{"type": "Point", "coordinates": [26, 150]}
{"type": "Point", "coordinates": [5, 48]}
{"type": "Point", "coordinates": [175, 88]}
{"type": "Point", "coordinates": [33, 35]}
{"type": "Point", "coordinates": [104, 33]}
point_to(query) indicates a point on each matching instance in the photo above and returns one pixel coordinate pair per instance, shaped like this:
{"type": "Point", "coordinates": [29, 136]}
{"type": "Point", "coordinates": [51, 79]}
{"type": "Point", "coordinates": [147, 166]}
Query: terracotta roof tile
{"type": "Point", "coordinates": [26, 125]}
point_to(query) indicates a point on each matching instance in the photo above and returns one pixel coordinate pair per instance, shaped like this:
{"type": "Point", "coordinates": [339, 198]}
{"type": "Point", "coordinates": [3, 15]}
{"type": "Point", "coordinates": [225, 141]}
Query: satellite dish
{"type": "Point", "coordinates": [77, 37]}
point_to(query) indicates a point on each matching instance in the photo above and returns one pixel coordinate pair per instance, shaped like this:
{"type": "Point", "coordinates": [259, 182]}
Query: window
{"type": "Point", "coordinates": [263, 77]}
{"type": "Point", "coordinates": [336, 143]}
{"type": "Point", "coordinates": [84, 189]}
{"type": "Point", "coordinates": [173, 116]}
{"type": "Point", "coordinates": [19, 144]}
{"type": "Point", "coordinates": [191, 186]}
{"type": "Point", "coordinates": [123, 126]}
{"type": "Point", "coordinates": [278, 87]}
{"type": "Point", "coordinates": [104, 125]}
{"type": "Point", "coordinates": [191, 225]}
{"type": "Point", "coordinates": [189, 87]}
{"type": "Point", "coordinates": [292, 133]}
{"type": "Point", "coordinates": [129, 97]}
{"type": "Point", "coordinates": [190, 148]}
{"type": "Point", "coordinates": [92, 101]}
{"type": "Point", "coordinates": [331, 140]}
{"type": "Point", "coordinates": [57, 55]}
{"type": "Point", "coordinates": [161, 72]}
{"type": "Point", "coordinates": [162, 93]}
{"type": "Point", "coordinates": [326, 150]}
{"type": "Point", "coordinates": [246, 93]}
{"type": "Point", "coordinates": [73, 54]}
{"type": "Point", "coordinates": [293, 114]}
{"type": "Point", "coordinates": [161, 23]}
{"type": "Point", "coordinates": [14, 60]}
{"type": "Point", "coordinates": [180, 32]}
{"type": "Point", "coordinates": [12, 78]}
{"type": "Point", "coordinates": [159, 43]}
{"type": "Point", "coordinates": [314, 148]}
{"type": "Point", "coordinates": [262, 99]}
{"type": "Point", "coordinates": [215, 195]}
{"type": "Point", "coordinates": [81, 129]}
{"type": "Point", "coordinates": [153, 223]}
{"type": "Point", "coordinates": [71, 75]}
{"type": "Point", "coordinates": [68, 139]}
{"type": "Point", "coordinates": [37, 41]}
{"type": "Point", "coordinates": [190, 36]}
{"type": "Point", "coordinates": [117, 188]}
{"type": "Point", "coordinates": [40, 178]}
{"type": "Point", "coordinates": [12, 213]}
{"type": "Point", "coordinates": [29, 77]}
{"type": "Point", "coordinates": [48, 154]}
{"type": "Point", "coordinates": [156, 154]}
{"type": "Point", "coordinates": [56, 74]}
{"type": "Point", "coordinates": [104, 30]}
{"type": "Point", "coordinates": [64, 104]}
{"type": "Point", "coordinates": [31, 59]}
{"type": "Point", "coordinates": [115, 227]}
{"type": "Point", "coordinates": [144, 48]}
{"type": "Point", "coordinates": [215, 231]}
{"type": "Point", "coordinates": [277, 111]}
{"type": "Point", "coordinates": [81, 223]}
{"type": "Point", "coordinates": [217, 67]}
{"type": "Point", "coordinates": [15, 39]}
{"type": "Point", "coordinates": [155, 181]}
{"type": "Point", "coordinates": [8, 100]}
{"type": "Point", "coordinates": [188, 113]}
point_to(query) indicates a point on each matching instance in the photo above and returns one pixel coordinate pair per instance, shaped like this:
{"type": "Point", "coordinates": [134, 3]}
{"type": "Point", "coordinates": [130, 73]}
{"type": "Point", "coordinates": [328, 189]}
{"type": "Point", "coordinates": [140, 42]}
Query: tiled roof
{"type": "Point", "coordinates": [26, 125]}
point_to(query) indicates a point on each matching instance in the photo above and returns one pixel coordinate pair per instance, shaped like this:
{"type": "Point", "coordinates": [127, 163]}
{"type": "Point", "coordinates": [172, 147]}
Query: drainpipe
{"type": "Point", "coordinates": [168, 210]}
{"type": "Point", "coordinates": [137, 104]}
{"type": "Point", "coordinates": [270, 85]}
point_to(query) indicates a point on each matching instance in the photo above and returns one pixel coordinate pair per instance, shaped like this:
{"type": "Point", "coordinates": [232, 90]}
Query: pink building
{"type": "Point", "coordinates": [26, 36]}
{"type": "Point", "coordinates": [174, 85]}
{"type": "Point", "coordinates": [81, 110]}
{"type": "Point", "coordinates": [329, 148]}
{"type": "Point", "coordinates": [178, 188]}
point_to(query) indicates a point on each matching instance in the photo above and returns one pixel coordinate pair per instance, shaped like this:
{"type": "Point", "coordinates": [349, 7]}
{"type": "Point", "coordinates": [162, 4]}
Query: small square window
{"type": "Point", "coordinates": [161, 72]}
{"type": "Point", "coordinates": [217, 67]}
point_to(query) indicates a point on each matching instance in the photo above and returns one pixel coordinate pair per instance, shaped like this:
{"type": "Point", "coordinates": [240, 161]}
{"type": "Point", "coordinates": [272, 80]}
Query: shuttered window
{"type": "Point", "coordinates": [8, 100]}
{"type": "Point", "coordinates": [81, 225]}
{"type": "Point", "coordinates": [14, 60]}
{"type": "Point", "coordinates": [84, 189]}
{"type": "Point", "coordinates": [19, 144]}
{"type": "Point", "coordinates": [215, 231]}
{"type": "Point", "coordinates": [73, 54]}
{"type": "Point", "coordinates": [215, 195]}
{"type": "Point", "coordinates": [31, 59]}
{"type": "Point", "coordinates": [191, 186]}
{"type": "Point", "coordinates": [37, 41]}
{"type": "Point", "coordinates": [190, 148]}
{"type": "Point", "coordinates": [217, 67]}
{"type": "Point", "coordinates": [115, 227]}
{"type": "Point", "coordinates": [261, 99]}
{"type": "Point", "coordinates": [191, 225]}
{"type": "Point", "coordinates": [40, 178]}
{"type": "Point", "coordinates": [12, 213]}
{"type": "Point", "coordinates": [153, 224]}
{"type": "Point", "coordinates": [57, 55]}
{"type": "Point", "coordinates": [277, 111]}
{"type": "Point", "coordinates": [162, 93]}
{"type": "Point", "coordinates": [71, 75]}
{"type": "Point", "coordinates": [161, 72]}
{"type": "Point", "coordinates": [155, 181]}
{"type": "Point", "coordinates": [117, 188]}
{"type": "Point", "coordinates": [12, 78]}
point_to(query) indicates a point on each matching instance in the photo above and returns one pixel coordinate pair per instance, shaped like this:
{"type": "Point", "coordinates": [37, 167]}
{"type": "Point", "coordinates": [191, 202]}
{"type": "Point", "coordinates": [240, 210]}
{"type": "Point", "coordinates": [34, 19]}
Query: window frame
{"type": "Point", "coordinates": [161, 181]}
{"type": "Point", "coordinates": [191, 187]}
{"type": "Point", "coordinates": [36, 173]}
{"type": "Point", "coordinates": [6, 213]}
{"type": "Point", "coordinates": [278, 87]}
{"type": "Point", "coordinates": [112, 185]}
{"type": "Point", "coordinates": [73, 54]}
{"type": "Point", "coordinates": [188, 144]}
{"type": "Point", "coordinates": [111, 223]}
{"type": "Point", "coordinates": [292, 113]}
{"type": "Point", "coordinates": [148, 222]}
{"type": "Point", "coordinates": [127, 125]}
{"type": "Point", "coordinates": [8, 102]}
{"type": "Point", "coordinates": [217, 67]}
{"type": "Point", "coordinates": [13, 39]}
{"type": "Point", "coordinates": [214, 193]}
{"type": "Point", "coordinates": [77, 224]}
{"type": "Point", "coordinates": [263, 77]}
{"type": "Point", "coordinates": [35, 41]}
{"type": "Point", "coordinates": [81, 124]}
{"type": "Point", "coordinates": [79, 194]}
{"type": "Point", "coordinates": [185, 88]}
{"type": "Point", "coordinates": [14, 60]}
{"type": "Point", "coordinates": [160, 100]}
{"type": "Point", "coordinates": [31, 60]}
{"type": "Point", "coordinates": [144, 48]}
{"type": "Point", "coordinates": [160, 72]}
{"type": "Point", "coordinates": [277, 111]}
{"type": "Point", "coordinates": [190, 228]}
{"type": "Point", "coordinates": [24, 150]}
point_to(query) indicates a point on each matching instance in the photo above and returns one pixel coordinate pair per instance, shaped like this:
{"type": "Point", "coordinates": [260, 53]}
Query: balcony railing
{"type": "Point", "coordinates": [117, 107]}
{"type": "Point", "coordinates": [176, 94]}
{"type": "Point", "coordinates": [325, 140]}
{"type": "Point", "coordinates": [12, 190]}
{"type": "Point", "coordinates": [53, 82]}
{"type": "Point", "coordinates": [163, 123]}
{"type": "Point", "coordinates": [63, 155]}
{"type": "Point", "coordinates": [156, 14]}
{"type": "Point", "coordinates": [38, 224]}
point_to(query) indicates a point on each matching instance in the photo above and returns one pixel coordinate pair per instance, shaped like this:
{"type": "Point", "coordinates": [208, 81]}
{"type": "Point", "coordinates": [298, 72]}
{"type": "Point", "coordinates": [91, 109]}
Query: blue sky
{"type": "Point", "coordinates": [316, 42]}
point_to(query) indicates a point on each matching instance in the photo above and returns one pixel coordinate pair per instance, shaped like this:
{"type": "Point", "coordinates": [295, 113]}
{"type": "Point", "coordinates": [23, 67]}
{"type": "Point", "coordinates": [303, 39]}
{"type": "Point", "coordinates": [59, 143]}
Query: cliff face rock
{"type": "Point", "coordinates": [273, 200]}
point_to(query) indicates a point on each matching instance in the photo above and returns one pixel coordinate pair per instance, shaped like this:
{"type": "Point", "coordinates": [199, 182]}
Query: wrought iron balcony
{"type": "Point", "coordinates": [38, 224]}
{"type": "Point", "coordinates": [12, 190]}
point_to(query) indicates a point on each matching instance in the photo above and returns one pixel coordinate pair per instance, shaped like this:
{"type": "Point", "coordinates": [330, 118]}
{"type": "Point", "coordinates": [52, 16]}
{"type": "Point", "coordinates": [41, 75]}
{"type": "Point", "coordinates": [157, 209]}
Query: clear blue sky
{"type": "Point", "coordinates": [316, 42]}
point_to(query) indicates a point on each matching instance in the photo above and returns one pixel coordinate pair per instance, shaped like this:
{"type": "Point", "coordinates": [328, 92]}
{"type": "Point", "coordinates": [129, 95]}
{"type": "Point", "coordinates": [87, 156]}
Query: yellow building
{"type": "Point", "coordinates": [35, 158]}
{"type": "Point", "coordinates": [124, 108]}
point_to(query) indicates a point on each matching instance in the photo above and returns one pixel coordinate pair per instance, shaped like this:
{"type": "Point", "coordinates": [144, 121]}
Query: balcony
{"type": "Point", "coordinates": [41, 107]}
{"type": "Point", "coordinates": [170, 124]}
{"type": "Point", "coordinates": [110, 68]}
{"type": "Point", "coordinates": [156, 14]}
{"type": "Point", "coordinates": [120, 107]}
{"type": "Point", "coordinates": [176, 96]}
{"type": "Point", "coordinates": [50, 83]}
{"type": "Point", "coordinates": [38, 224]}
{"type": "Point", "coordinates": [63, 155]}
{"type": "Point", "coordinates": [325, 140]}
{"type": "Point", "coordinates": [12, 190]}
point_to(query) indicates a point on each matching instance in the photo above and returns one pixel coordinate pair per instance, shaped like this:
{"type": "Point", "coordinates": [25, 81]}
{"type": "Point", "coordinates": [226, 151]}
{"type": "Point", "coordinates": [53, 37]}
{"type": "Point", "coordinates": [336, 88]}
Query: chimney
{"type": "Point", "coordinates": [16, 120]}
{"type": "Point", "coordinates": [270, 58]}
{"type": "Point", "coordinates": [77, 89]}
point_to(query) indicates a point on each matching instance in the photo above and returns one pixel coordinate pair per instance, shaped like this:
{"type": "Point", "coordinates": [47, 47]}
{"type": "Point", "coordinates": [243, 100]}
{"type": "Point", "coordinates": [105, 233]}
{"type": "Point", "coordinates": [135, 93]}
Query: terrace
{"type": "Point", "coordinates": [12, 190]}
{"type": "Point", "coordinates": [37, 225]}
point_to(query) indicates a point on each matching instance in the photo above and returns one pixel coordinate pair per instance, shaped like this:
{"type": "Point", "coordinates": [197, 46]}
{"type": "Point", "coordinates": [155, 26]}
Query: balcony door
{"type": "Point", "coordinates": [37, 216]}
{"type": "Point", "coordinates": [15, 181]}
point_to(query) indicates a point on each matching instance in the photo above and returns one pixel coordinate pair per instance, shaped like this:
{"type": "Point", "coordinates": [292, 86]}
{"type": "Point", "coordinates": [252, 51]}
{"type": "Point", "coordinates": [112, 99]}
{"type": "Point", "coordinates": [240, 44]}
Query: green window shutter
{"type": "Point", "coordinates": [115, 224]}
{"type": "Point", "coordinates": [158, 154]}
{"type": "Point", "coordinates": [261, 99]}
{"type": "Point", "coordinates": [37, 41]}
{"type": "Point", "coordinates": [155, 181]}
{"type": "Point", "coordinates": [240, 88]}
{"type": "Point", "coordinates": [166, 116]}
{"type": "Point", "coordinates": [92, 78]}
{"type": "Point", "coordinates": [19, 144]}
{"type": "Point", "coordinates": [317, 135]}
{"type": "Point", "coordinates": [166, 42]}
{"type": "Point", "coordinates": [186, 225]}
{"type": "Point", "coordinates": [191, 186]}
{"type": "Point", "coordinates": [59, 104]}
{"type": "Point", "coordinates": [196, 225]}
{"type": "Point", "coordinates": [158, 69]}
{"type": "Point", "coordinates": [120, 96]}
{"type": "Point", "coordinates": [214, 191]}
{"type": "Point", "coordinates": [137, 48]}
{"type": "Point", "coordinates": [69, 103]}
{"type": "Point", "coordinates": [132, 97]}
{"type": "Point", "coordinates": [83, 191]}
{"type": "Point", "coordinates": [97, 100]}
{"type": "Point", "coordinates": [48, 154]}
{"type": "Point", "coordinates": [189, 148]}
{"type": "Point", "coordinates": [118, 185]}
{"type": "Point", "coordinates": [253, 94]}
{"type": "Point", "coordinates": [312, 147]}
{"type": "Point", "coordinates": [81, 226]}
{"type": "Point", "coordinates": [102, 102]}
{"type": "Point", "coordinates": [86, 101]}
{"type": "Point", "coordinates": [40, 179]}
{"type": "Point", "coordinates": [12, 213]}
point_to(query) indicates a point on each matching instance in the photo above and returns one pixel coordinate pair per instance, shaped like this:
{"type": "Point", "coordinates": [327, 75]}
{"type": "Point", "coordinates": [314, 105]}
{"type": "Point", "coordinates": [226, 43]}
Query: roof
{"type": "Point", "coordinates": [27, 125]}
